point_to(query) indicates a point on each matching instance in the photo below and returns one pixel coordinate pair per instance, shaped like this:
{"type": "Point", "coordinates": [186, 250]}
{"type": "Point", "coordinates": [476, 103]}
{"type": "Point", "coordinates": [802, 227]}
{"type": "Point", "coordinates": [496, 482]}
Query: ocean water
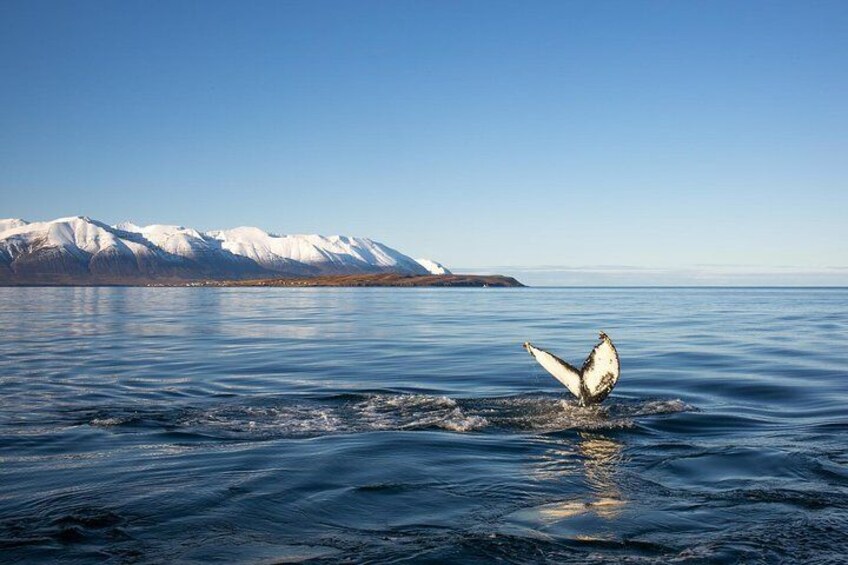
{"type": "Point", "coordinates": [201, 425]}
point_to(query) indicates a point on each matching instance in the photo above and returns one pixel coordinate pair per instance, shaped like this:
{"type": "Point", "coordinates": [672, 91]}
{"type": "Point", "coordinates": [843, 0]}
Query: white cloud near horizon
{"type": "Point", "coordinates": [696, 275]}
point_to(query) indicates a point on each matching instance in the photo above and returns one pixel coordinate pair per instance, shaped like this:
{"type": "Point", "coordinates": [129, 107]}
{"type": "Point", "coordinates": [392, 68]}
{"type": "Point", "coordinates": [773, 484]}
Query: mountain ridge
{"type": "Point", "coordinates": [82, 250]}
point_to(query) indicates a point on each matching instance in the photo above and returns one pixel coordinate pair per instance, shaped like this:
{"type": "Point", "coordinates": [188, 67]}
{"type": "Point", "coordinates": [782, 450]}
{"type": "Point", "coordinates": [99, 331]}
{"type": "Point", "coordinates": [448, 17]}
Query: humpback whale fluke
{"type": "Point", "coordinates": [594, 381]}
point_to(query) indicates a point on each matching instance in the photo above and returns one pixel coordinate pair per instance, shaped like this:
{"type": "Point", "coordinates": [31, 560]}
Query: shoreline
{"type": "Point", "coordinates": [386, 280]}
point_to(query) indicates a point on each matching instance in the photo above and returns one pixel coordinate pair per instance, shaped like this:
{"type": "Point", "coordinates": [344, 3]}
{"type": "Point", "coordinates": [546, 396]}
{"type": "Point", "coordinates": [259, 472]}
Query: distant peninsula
{"type": "Point", "coordinates": [81, 251]}
{"type": "Point", "coordinates": [381, 280]}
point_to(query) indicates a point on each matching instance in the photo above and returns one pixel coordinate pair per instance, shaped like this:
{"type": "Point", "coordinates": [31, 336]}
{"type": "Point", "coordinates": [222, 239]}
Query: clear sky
{"type": "Point", "coordinates": [637, 136]}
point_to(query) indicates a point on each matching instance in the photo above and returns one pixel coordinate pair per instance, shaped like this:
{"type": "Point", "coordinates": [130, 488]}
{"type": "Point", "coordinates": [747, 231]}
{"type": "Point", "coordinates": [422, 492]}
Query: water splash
{"type": "Point", "coordinates": [287, 417]}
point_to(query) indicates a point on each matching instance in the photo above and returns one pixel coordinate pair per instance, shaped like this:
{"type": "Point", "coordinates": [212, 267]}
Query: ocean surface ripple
{"type": "Point", "coordinates": [149, 425]}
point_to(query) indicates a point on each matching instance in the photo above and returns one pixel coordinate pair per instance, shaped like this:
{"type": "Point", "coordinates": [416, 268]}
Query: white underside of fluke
{"type": "Point", "coordinates": [594, 381]}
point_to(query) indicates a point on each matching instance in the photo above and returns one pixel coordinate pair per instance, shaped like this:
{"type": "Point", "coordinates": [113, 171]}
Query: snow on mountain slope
{"type": "Point", "coordinates": [74, 234]}
{"type": "Point", "coordinates": [433, 267]}
{"type": "Point", "coordinates": [9, 223]}
{"type": "Point", "coordinates": [75, 247]}
{"type": "Point", "coordinates": [185, 242]}
{"type": "Point", "coordinates": [338, 253]}
{"type": "Point", "coordinates": [81, 247]}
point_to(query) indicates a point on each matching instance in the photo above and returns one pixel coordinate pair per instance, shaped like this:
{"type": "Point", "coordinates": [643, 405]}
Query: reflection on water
{"type": "Point", "coordinates": [602, 458]}
{"type": "Point", "coordinates": [594, 459]}
{"type": "Point", "coordinates": [608, 508]}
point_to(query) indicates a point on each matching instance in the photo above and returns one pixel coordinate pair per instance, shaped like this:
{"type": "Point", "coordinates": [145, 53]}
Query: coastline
{"type": "Point", "coordinates": [360, 280]}
{"type": "Point", "coordinates": [381, 280]}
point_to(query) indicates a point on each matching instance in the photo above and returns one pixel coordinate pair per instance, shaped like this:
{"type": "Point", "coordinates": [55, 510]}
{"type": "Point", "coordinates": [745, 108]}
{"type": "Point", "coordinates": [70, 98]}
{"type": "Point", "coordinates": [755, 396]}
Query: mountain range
{"type": "Point", "coordinates": [80, 250]}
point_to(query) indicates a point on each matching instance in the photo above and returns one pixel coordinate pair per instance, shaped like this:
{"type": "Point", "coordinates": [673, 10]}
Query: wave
{"type": "Point", "coordinates": [276, 417]}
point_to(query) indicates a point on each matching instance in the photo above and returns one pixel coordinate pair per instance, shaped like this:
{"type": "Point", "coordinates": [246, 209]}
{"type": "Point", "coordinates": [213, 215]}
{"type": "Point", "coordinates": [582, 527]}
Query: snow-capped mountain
{"type": "Point", "coordinates": [10, 223]}
{"type": "Point", "coordinates": [79, 249]}
{"type": "Point", "coordinates": [335, 253]}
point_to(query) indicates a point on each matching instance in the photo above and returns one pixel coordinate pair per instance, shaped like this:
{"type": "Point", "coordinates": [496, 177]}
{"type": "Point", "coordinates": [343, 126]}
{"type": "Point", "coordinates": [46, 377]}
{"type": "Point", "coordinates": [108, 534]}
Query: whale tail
{"type": "Point", "coordinates": [593, 382]}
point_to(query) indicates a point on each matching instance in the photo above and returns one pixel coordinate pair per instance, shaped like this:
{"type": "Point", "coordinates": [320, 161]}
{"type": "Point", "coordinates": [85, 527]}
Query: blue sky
{"type": "Point", "coordinates": [650, 137]}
